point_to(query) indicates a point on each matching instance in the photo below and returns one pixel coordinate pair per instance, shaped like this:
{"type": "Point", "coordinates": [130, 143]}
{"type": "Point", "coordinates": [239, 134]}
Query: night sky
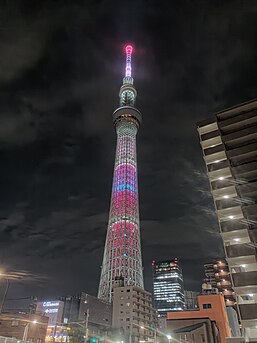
{"type": "Point", "coordinates": [61, 66]}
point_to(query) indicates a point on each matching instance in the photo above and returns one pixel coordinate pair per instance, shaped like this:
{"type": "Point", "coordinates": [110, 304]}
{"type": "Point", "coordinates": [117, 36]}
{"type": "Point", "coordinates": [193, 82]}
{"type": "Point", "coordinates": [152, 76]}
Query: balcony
{"type": "Point", "coordinates": [211, 142]}
{"type": "Point", "coordinates": [231, 225]}
{"type": "Point", "coordinates": [242, 150]}
{"type": "Point", "coordinates": [236, 237]}
{"type": "Point", "coordinates": [221, 274]}
{"type": "Point", "coordinates": [215, 158]}
{"type": "Point", "coordinates": [250, 212]}
{"type": "Point", "coordinates": [225, 193]}
{"type": "Point", "coordinates": [224, 283]}
{"type": "Point", "coordinates": [247, 189]}
{"type": "Point", "coordinates": [243, 159]}
{"type": "Point", "coordinates": [207, 126]}
{"type": "Point", "coordinates": [213, 149]}
{"type": "Point", "coordinates": [226, 202]}
{"type": "Point", "coordinates": [235, 123]}
{"type": "Point", "coordinates": [245, 169]}
{"type": "Point", "coordinates": [248, 311]}
{"type": "Point", "coordinates": [222, 182]}
{"type": "Point", "coordinates": [239, 250]}
{"type": "Point", "coordinates": [241, 261]}
{"type": "Point", "coordinates": [245, 279]}
{"type": "Point", "coordinates": [230, 214]}
{"type": "Point", "coordinates": [246, 290]}
{"type": "Point", "coordinates": [239, 137]}
{"type": "Point", "coordinates": [222, 165]}
{"type": "Point", "coordinates": [253, 235]}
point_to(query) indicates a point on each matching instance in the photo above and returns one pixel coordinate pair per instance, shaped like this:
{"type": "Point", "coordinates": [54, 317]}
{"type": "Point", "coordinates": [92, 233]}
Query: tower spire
{"type": "Point", "coordinates": [128, 92]}
{"type": "Point", "coordinates": [129, 50]}
{"type": "Point", "coordinates": [122, 253]}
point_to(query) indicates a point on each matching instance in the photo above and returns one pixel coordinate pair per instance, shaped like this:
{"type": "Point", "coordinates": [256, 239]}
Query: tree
{"type": "Point", "coordinates": [76, 335]}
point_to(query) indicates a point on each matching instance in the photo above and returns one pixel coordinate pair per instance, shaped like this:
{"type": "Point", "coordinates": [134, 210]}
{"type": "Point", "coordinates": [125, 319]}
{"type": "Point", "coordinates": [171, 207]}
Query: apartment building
{"type": "Point", "coordinates": [229, 144]}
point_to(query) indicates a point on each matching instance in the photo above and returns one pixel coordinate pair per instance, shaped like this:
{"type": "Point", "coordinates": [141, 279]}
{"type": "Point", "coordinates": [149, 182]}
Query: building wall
{"type": "Point", "coordinates": [99, 311]}
{"type": "Point", "coordinates": [14, 325]}
{"type": "Point", "coordinates": [133, 313]}
{"type": "Point", "coordinates": [207, 333]}
{"type": "Point", "coordinates": [233, 322]}
{"type": "Point", "coordinates": [229, 143]}
{"type": "Point", "coordinates": [54, 310]}
{"type": "Point", "coordinates": [168, 286]}
{"type": "Point", "coordinates": [191, 300]}
{"type": "Point", "coordinates": [210, 306]}
{"type": "Point", "coordinates": [74, 311]}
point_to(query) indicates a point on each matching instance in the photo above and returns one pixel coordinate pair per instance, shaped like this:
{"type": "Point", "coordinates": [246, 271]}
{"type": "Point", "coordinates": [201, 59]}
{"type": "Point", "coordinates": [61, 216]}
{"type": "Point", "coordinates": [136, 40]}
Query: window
{"type": "Point", "coordinates": [128, 290]}
{"type": "Point", "coordinates": [127, 319]}
{"type": "Point", "coordinates": [205, 306]}
{"type": "Point", "coordinates": [15, 322]}
{"type": "Point", "coordinates": [121, 311]}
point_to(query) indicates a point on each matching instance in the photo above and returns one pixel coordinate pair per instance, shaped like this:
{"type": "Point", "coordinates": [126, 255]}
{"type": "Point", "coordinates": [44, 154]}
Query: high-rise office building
{"type": "Point", "coordinates": [122, 253]}
{"type": "Point", "coordinates": [218, 275]}
{"type": "Point", "coordinates": [229, 143]}
{"type": "Point", "coordinates": [168, 286]}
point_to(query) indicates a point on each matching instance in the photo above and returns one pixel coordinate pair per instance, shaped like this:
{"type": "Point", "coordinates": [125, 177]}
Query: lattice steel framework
{"type": "Point", "coordinates": [122, 253]}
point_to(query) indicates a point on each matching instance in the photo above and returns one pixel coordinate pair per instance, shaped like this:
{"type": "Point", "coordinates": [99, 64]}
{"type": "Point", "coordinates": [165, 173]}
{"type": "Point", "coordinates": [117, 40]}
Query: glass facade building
{"type": "Point", "coordinates": [168, 286]}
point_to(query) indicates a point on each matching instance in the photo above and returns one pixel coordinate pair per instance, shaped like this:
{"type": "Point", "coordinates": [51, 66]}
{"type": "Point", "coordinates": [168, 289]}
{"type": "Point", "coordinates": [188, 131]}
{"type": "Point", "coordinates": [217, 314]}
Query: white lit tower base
{"type": "Point", "coordinates": [122, 253]}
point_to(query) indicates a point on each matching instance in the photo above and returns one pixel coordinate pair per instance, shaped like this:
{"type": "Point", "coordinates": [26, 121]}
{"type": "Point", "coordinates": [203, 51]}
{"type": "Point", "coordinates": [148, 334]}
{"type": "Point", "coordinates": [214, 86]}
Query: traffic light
{"type": "Point", "coordinates": [93, 340]}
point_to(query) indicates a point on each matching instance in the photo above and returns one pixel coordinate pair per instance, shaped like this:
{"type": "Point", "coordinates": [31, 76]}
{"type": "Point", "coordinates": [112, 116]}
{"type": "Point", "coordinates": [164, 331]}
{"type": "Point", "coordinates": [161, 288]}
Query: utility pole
{"type": "Point", "coordinates": [5, 294]}
{"type": "Point", "coordinates": [86, 325]}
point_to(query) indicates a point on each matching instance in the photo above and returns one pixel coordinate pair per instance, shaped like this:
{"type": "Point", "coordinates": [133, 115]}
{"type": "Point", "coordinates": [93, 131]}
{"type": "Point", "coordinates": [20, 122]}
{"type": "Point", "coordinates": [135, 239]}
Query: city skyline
{"type": "Point", "coordinates": [61, 68]}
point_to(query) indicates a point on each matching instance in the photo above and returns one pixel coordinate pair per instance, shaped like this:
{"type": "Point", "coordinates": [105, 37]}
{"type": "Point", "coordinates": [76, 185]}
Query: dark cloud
{"type": "Point", "coordinates": [60, 70]}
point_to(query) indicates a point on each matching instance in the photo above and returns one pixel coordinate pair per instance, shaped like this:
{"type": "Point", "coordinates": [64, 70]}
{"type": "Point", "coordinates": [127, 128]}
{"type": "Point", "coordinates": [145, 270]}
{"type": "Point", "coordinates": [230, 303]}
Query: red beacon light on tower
{"type": "Point", "coordinates": [129, 49]}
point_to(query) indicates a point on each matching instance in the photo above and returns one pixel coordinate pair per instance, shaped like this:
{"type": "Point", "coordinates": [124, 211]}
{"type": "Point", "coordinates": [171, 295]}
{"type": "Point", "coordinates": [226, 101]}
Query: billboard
{"type": "Point", "coordinates": [51, 309]}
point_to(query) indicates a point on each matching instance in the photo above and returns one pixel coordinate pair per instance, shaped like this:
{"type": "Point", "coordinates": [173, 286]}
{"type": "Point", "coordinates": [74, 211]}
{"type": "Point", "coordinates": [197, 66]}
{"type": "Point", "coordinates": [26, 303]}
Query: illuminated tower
{"type": "Point", "coordinates": [122, 253]}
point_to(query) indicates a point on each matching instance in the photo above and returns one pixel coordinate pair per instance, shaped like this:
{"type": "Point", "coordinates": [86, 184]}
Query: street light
{"type": "Point", "coordinates": [169, 337]}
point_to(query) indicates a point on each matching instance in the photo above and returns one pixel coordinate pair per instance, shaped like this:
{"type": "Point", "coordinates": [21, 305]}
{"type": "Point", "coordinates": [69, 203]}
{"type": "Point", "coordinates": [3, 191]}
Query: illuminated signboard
{"type": "Point", "coordinates": [50, 303]}
{"type": "Point", "coordinates": [51, 310]}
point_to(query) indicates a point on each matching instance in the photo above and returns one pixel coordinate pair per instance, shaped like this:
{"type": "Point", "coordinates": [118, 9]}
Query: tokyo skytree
{"type": "Point", "coordinates": [122, 253]}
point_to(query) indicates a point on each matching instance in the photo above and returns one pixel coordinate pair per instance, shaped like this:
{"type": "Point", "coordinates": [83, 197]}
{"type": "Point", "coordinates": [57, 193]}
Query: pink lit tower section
{"type": "Point", "coordinates": [122, 253]}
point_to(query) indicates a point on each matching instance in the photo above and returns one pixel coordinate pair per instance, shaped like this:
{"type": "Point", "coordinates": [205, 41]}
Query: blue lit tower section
{"type": "Point", "coordinates": [168, 286]}
{"type": "Point", "coordinates": [122, 253]}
